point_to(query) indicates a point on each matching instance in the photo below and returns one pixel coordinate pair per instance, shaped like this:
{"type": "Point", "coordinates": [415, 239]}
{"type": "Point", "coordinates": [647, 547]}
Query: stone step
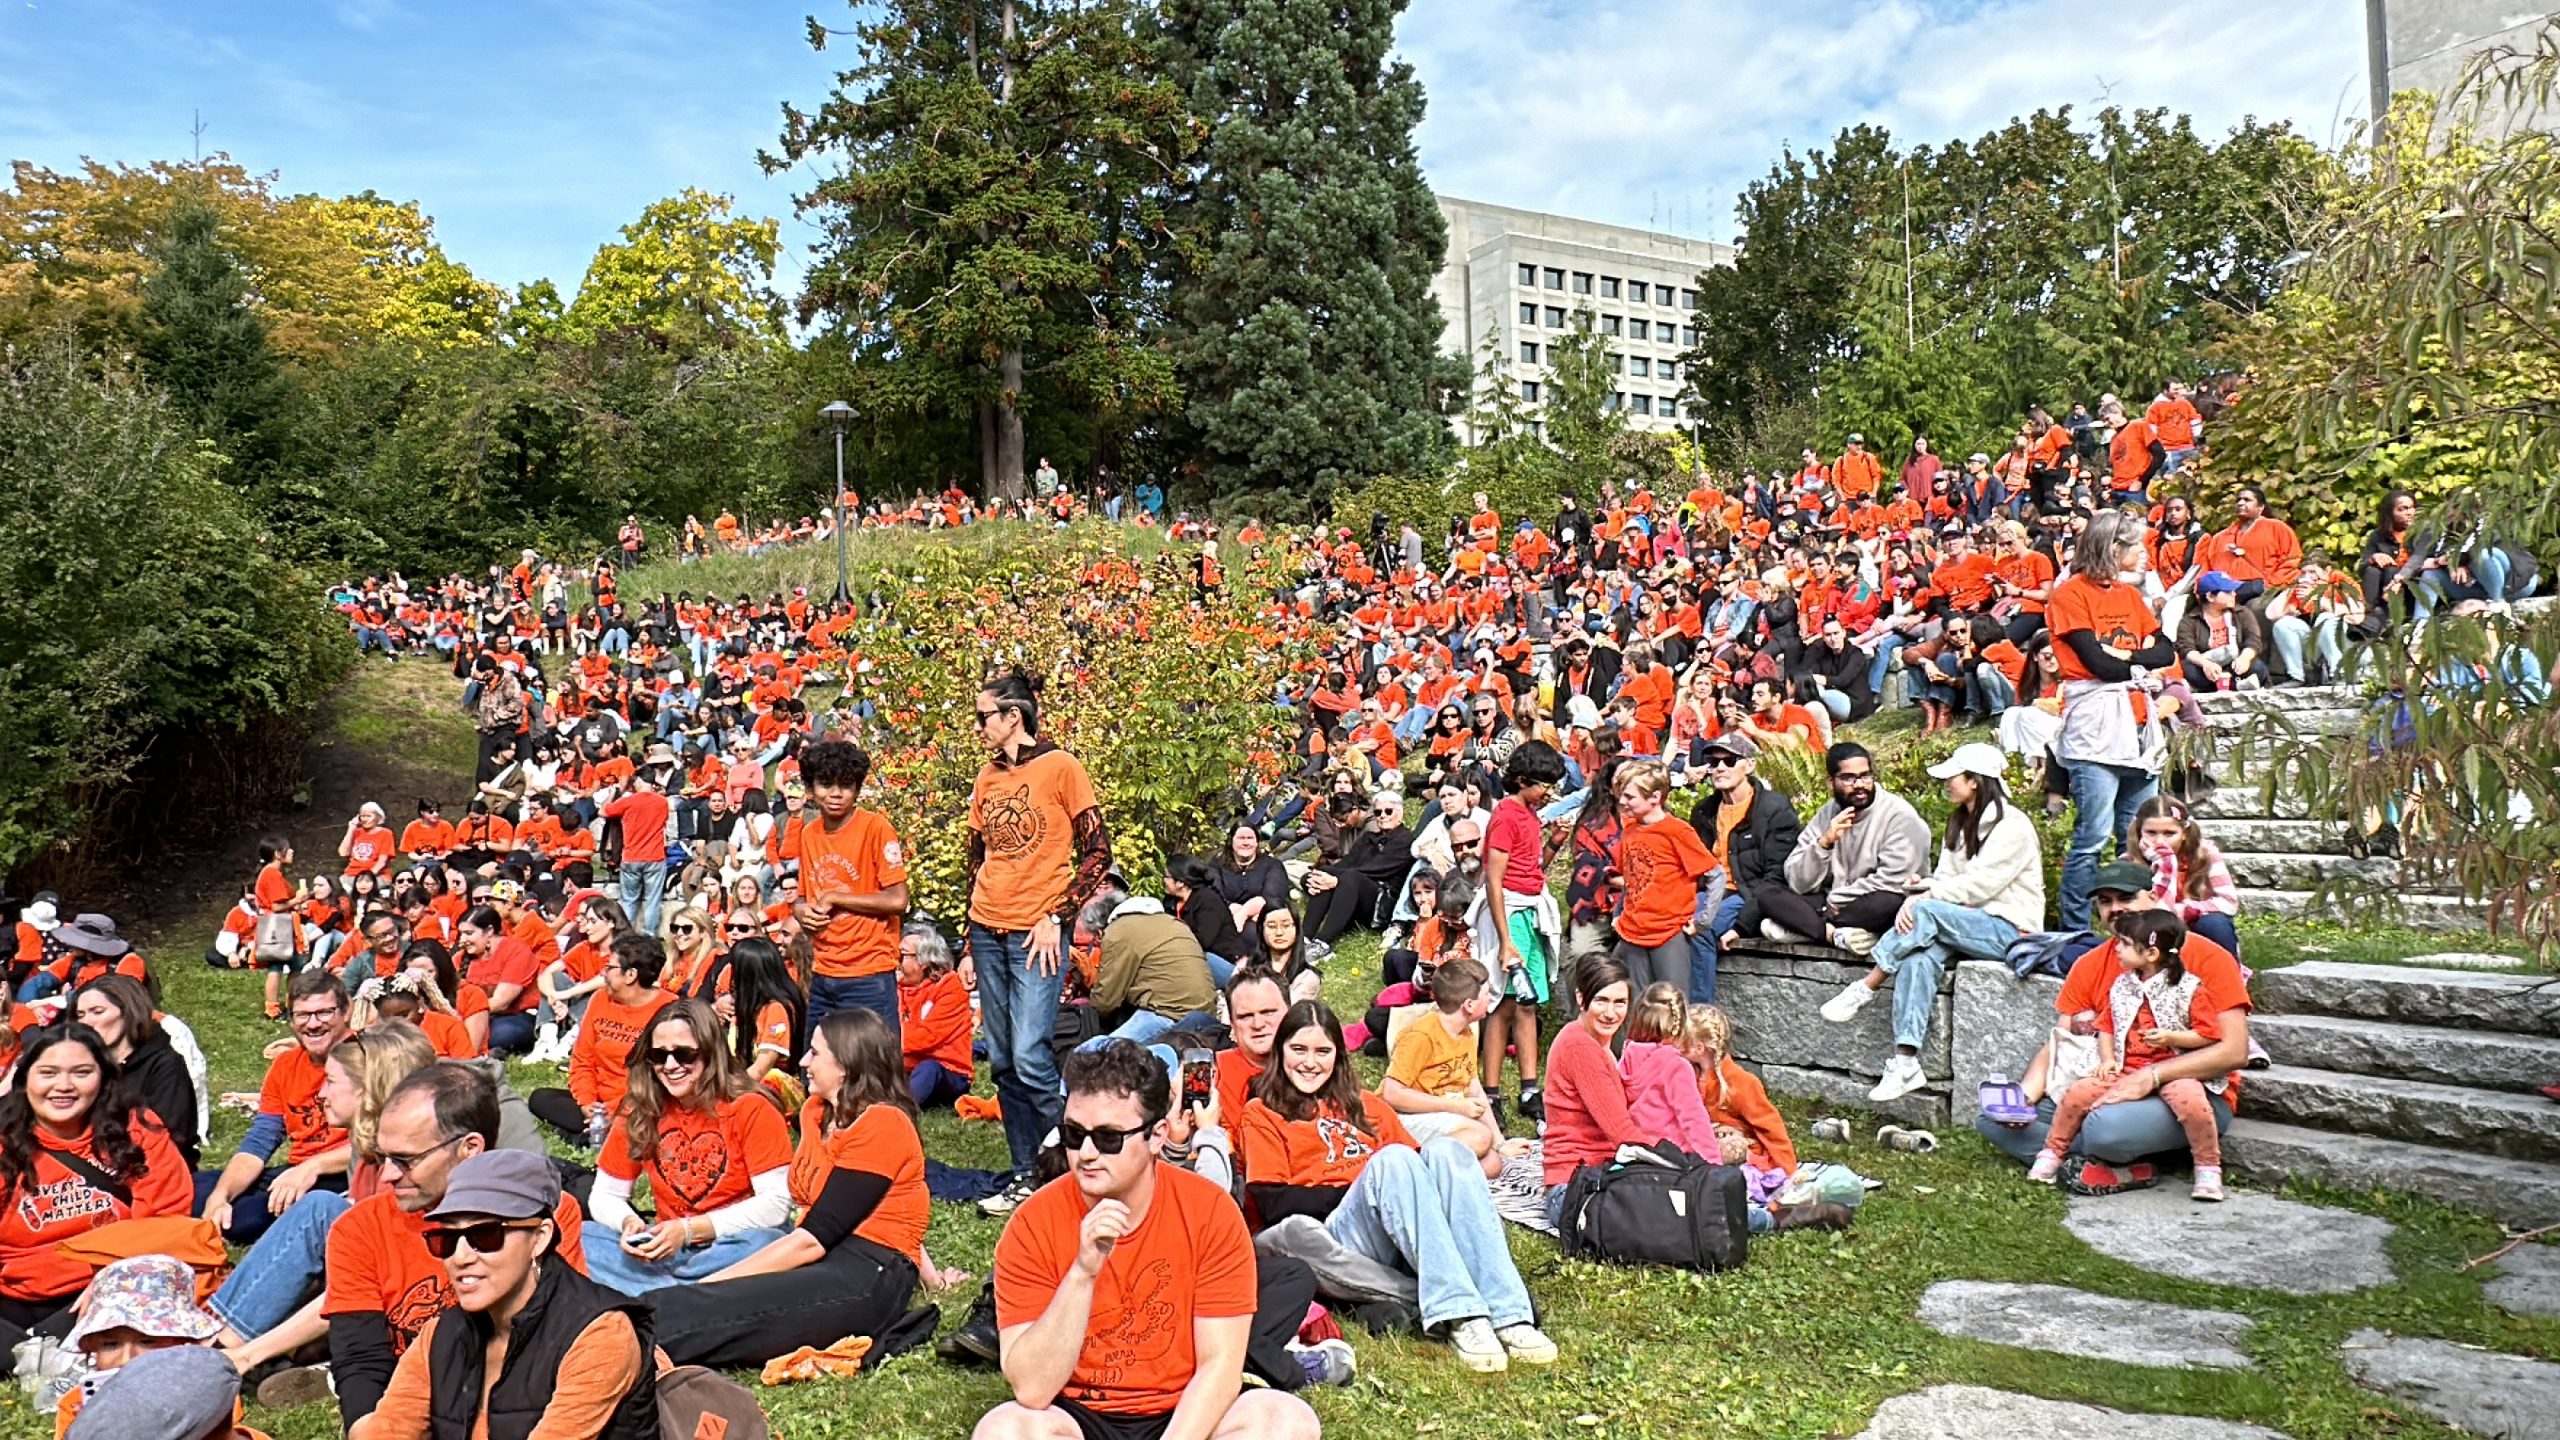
{"type": "Point", "coordinates": [2418, 910]}
{"type": "Point", "coordinates": [2265, 834]}
{"type": "Point", "coordinates": [2283, 697]}
{"type": "Point", "coordinates": [2497, 1122]}
{"type": "Point", "coordinates": [2412, 995]}
{"type": "Point", "coordinates": [2302, 870]}
{"type": "Point", "coordinates": [2279, 719]}
{"type": "Point", "coordinates": [2241, 799]}
{"type": "Point", "coordinates": [2480, 1059]}
{"type": "Point", "coordinates": [2520, 1194]}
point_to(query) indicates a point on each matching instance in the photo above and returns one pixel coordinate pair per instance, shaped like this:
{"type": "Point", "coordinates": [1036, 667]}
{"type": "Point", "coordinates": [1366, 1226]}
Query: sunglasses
{"type": "Point", "coordinates": [986, 715]}
{"type": "Point", "coordinates": [683, 1056]}
{"type": "Point", "coordinates": [484, 1238]}
{"type": "Point", "coordinates": [1106, 1141]}
{"type": "Point", "coordinates": [1723, 762]}
{"type": "Point", "coordinates": [684, 929]}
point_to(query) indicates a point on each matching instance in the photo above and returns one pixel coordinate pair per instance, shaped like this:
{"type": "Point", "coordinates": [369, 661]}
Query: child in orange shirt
{"type": "Point", "coordinates": [1663, 860]}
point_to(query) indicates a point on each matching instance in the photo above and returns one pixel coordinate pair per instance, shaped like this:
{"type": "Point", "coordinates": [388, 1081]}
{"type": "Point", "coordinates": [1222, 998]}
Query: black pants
{"type": "Point", "coordinates": [52, 1316]}
{"type": "Point", "coordinates": [1874, 912]}
{"type": "Point", "coordinates": [1332, 913]}
{"type": "Point", "coordinates": [1279, 1308]}
{"type": "Point", "coordinates": [559, 1110]}
{"type": "Point", "coordinates": [857, 1288]}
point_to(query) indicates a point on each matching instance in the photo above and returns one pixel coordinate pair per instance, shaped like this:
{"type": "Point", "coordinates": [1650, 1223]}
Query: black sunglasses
{"type": "Point", "coordinates": [484, 1237]}
{"type": "Point", "coordinates": [684, 929]}
{"type": "Point", "coordinates": [1106, 1141]}
{"type": "Point", "coordinates": [685, 1055]}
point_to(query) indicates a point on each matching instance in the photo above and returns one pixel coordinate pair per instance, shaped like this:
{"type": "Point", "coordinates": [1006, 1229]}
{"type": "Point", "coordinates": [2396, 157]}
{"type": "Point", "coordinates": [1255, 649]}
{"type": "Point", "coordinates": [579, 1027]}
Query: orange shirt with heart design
{"type": "Point", "coordinates": [882, 1140]}
{"type": "Point", "coordinates": [703, 1160]}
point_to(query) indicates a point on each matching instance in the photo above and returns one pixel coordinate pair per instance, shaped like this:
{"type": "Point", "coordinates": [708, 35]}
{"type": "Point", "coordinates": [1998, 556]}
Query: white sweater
{"type": "Point", "coordinates": [2006, 879]}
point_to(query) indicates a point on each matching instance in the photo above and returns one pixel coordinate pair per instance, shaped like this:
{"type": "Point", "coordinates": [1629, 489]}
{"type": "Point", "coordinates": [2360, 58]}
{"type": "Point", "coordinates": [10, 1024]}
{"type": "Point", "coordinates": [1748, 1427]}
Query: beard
{"type": "Point", "coordinates": [1858, 801]}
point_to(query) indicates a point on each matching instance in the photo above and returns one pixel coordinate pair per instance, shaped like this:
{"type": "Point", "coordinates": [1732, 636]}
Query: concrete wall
{"type": "Point", "coordinates": [2431, 40]}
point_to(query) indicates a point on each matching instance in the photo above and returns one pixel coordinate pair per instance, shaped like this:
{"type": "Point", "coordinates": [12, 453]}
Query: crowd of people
{"type": "Point", "coordinates": [666, 882]}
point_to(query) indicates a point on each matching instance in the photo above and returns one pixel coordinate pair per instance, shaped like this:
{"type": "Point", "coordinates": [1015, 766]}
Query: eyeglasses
{"type": "Point", "coordinates": [484, 1238]}
{"type": "Point", "coordinates": [681, 1056]}
{"type": "Point", "coordinates": [316, 1017]}
{"type": "Point", "coordinates": [1861, 777]}
{"type": "Point", "coordinates": [1106, 1141]}
{"type": "Point", "coordinates": [684, 929]}
{"type": "Point", "coordinates": [410, 1163]}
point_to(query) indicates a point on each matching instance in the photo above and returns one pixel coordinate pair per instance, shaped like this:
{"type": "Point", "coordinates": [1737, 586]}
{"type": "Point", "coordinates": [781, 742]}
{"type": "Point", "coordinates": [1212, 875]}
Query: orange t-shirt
{"type": "Point", "coordinates": [1235, 1076]}
{"type": "Point", "coordinates": [292, 1093]}
{"type": "Point", "coordinates": [451, 1037]}
{"type": "Point", "coordinates": [378, 1261]}
{"type": "Point", "coordinates": [274, 892]}
{"type": "Point", "coordinates": [600, 1063]}
{"type": "Point", "coordinates": [1662, 862]}
{"type": "Point", "coordinates": [62, 1205]}
{"type": "Point", "coordinates": [1189, 1259]}
{"type": "Point", "coordinates": [704, 1162]}
{"type": "Point", "coordinates": [882, 1141]}
{"type": "Point", "coordinates": [370, 848]}
{"type": "Point", "coordinates": [1025, 813]}
{"type": "Point", "coordinates": [1652, 692]}
{"type": "Point", "coordinates": [935, 1022]}
{"type": "Point", "coordinates": [426, 837]}
{"type": "Point", "coordinates": [2116, 613]}
{"type": "Point", "coordinates": [1326, 1152]}
{"type": "Point", "coordinates": [862, 857]}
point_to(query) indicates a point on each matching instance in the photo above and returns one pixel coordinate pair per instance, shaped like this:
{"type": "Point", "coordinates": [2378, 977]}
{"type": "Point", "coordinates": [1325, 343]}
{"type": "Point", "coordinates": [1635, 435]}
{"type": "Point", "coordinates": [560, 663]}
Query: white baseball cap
{"type": "Point", "coordinates": [1972, 758]}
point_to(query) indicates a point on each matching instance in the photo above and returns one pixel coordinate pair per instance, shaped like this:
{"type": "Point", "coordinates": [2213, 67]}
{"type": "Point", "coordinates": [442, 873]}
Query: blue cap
{"type": "Point", "coordinates": [2215, 582]}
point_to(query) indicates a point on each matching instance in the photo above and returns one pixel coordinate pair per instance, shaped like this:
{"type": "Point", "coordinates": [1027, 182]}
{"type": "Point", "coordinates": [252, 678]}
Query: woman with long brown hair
{"type": "Point", "coordinates": [718, 1160]}
{"type": "Point", "coordinates": [852, 1263]}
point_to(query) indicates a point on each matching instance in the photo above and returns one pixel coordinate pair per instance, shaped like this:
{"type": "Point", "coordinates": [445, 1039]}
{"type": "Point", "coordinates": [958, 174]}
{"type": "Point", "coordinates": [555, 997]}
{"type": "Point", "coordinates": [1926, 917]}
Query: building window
{"type": "Point", "coordinates": [1528, 352]}
{"type": "Point", "coordinates": [1581, 282]}
{"type": "Point", "coordinates": [1617, 364]}
{"type": "Point", "coordinates": [1637, 290]}
{"type": "Point", "coordinates": [1688, 299]}
{"type": "Point", "coordinates": [1529, 275]}
{"type": "Point", "coordinates": [1667, 369]}
{"type": "Point", "coordinates": [1555, 317]}
{"type": "Point", "coordinates": [1529, 391]}
{"type": "Point", "coordinates": [1612, 325]}
{"type": "Point", "coordinates": [1617, 400]}
{"type": "Point", "coordinates": [1639, 330]}
{"type": "Point", "coordinates": [1643, 404]}
{"type": "Point", "coordinates": [1689, 336]}
{"type": "Point", "coordinates": [1608, 287]}
{"type": "Point", "coordinates": [1529, 312]}
{"type": "Point", "coordinates": [1555, 278]}
{"type": "Point", "coordinates": [1640, 367]}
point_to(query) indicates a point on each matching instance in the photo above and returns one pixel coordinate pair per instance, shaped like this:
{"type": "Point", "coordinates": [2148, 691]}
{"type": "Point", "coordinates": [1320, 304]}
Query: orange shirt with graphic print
{"type": "Point", "coordinates": [703, 1161]}
{"type": "Point", "coordinates": [863, 856]}
{"type": "Point", "coordinates": [292, 1094]}
{"type": "Point", "coordinates": [1024, 814]}
{"type": "Point", "coordinates": [378, 1263]}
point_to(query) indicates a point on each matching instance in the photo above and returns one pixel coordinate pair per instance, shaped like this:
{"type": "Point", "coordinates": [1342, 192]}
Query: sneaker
{"type": "Point", "coordinates": [2208, 1184]}
{"type": "Point", "coordinates": [1327, 1362]}
{"type": "Point", "coordinates": [1533, 1103]}
{"type": "Point", "coordinates": [1902, 1075]}
{"type": "Point", "coordinates": [1772, 930]}
{"type": "Point", "coordinates": [1854, 940]}
{"type": "Point", "coordinates": [1527, 1344]}
{"type": "Point", "coordinates": [2083, 1176]}
{"type": "Point", "coordinates": [2048, 1165]}
{"type": "Point", "coordinates": [546, 1040]}
{"type": "Point", "coordinates": [1479, 1349]}
{"type": "Point", "coordinates": [1842, 1008]}
{"type": "Point", "coordinates": [1010, 1198]}
{"type": "Point", "coordinates": [297, 1385]}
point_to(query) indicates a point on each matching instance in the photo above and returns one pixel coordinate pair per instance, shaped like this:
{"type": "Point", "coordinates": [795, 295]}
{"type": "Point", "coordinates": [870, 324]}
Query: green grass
{"type": "Point", "coordinates": [412, 710]}
{"type": "Point", "coordinates": [867, 552]}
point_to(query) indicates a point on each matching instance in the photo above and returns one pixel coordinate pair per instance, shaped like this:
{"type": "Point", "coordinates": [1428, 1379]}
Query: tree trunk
{"type": "Point", "coordinates": [1007, 481]}
{"type": "Point", "coordinates": [987, 426]}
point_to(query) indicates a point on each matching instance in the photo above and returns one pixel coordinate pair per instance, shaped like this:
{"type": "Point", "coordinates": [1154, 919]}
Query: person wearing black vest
{"type": "Point", "coordinates": [571, 1356]}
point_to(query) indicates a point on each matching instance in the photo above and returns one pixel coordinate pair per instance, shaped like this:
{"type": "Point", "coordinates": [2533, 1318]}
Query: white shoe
{"type": "Point", "coordinates": [1901, 1076]}
{"type": "Point", "coordinates": [1772, 930]}
{"type": "Point", "coordinates": [1479, 1349]}
{"type": "Point", "coordinates": [1527, 1344]}
{"type": "Point", "coordinates": [1861, 943]}
{"type": "Point", "coordinates": [1842, 1008]}
{"type": "Point", "coordinates": [2047, 1166]}
{"type": "Point", "coordinates": [545, 1041]}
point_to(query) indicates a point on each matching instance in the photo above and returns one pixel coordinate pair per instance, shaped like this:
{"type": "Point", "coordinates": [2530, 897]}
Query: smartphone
{"type": "Point", "coordinates": [1199, 1077]}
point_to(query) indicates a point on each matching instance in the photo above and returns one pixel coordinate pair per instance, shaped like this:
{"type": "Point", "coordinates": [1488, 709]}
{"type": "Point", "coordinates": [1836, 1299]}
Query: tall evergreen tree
{"type": "Point", "coordinates": [1303, 324]}
{"type": "Point", "coordinates": [203, 340]}
{"type": "Point", "coordinates": [1582, 408]}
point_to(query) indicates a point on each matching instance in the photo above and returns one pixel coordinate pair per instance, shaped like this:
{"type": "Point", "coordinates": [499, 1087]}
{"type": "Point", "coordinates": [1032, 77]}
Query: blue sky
{"type": "Point", "coordinates": [533, 129]}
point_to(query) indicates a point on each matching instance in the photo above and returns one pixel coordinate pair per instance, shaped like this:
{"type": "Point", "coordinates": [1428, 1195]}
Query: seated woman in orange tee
{"type": "Point", "coordinates": [852, 1263]}
{"type": "Point", "coordinates": [75, 1155]}
{"type": "Point", "coordinates": [718, 1160]}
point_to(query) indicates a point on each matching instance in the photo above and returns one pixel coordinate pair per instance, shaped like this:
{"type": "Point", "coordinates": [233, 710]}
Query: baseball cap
{"type": "Point", "coordinates": [502, 1184]}
{"type": "Point", "coordinates": [1972, 758]}
{"type": "Point", "coordinates": [1735, 744]}
{"type": "Point", "coordinates": [2216, 582]}
{"type": "Point", "coordinates": [2122, 876]}
{"type": "Point", "coordinates": [152, 1295]}
{"type": "Point", "coordinates": [181, 1393]}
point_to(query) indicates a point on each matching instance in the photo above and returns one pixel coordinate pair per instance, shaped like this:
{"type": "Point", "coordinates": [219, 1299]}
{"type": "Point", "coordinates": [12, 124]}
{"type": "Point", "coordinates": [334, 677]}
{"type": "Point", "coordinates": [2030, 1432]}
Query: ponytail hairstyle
{"type": "Point", "coordinates": [1972, 819]}
{"type": "Point", "coordinates": [1016, 690]}
{"type": "Point", "coordinates": [2193, 881]}
{"type": "Point", "coordinates": [2159, 930]}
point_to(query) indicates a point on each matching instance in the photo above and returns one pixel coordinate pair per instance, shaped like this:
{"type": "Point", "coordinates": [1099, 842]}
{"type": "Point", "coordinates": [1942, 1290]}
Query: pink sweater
{"type": "Point", "coordinates": [1663, 1098]}
{"type": "Point", "coordinates": [1586, 1100]}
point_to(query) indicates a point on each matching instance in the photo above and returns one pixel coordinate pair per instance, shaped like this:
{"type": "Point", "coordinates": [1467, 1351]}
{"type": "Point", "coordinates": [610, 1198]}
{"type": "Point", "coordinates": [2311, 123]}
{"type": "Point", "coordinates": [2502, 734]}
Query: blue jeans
{"type": "Point", "coordinates": [644, 888]}
{"type": "Point", "coordinates": [283, 1269]}
{"type": "Point", "coordinates": [614, 1268]}
{"type": "Point", "coordinates": [512, 1034]}
{"type": "Point", "coordinates": [931, 1083]}
{"type": "Point", "coordinates": [2103, 799]}
{"type": "Point", "coordinates": [1429, 1211]}
{"type": "Point", "coordinates": [1988, 691]}
{"type": "Point", "coordinates": [1886, 649]}
{"type": "Point", "coordinates": [1837, 703]}
{"type": "Point", "coordinates": [2325, 632]}
{"type": "Point", "coordinates": [2113, 1134]}
{"type": "Point", "coordinates": [1019, 1009]}
{"type": "Point", "coordinates": [2217, 927]}
{"type": "Point", "coordinates": [1940, 933]}
{"type": "Point", "coordinates": [1703, 953]}
{"type": "Point", "coordinates": [1144, 1026]}
{"type": "Point", "coordinates": [1221, 969]}
{"type": "Point", "coordinates": [875, 993]}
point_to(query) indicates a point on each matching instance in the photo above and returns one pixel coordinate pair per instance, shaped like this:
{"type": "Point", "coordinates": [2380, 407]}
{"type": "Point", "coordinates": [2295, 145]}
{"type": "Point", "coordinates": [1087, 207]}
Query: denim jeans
{"type": "Point", "coordinates": [2103, 799]}
{"type": "Point", "coordinates": [1019, 1009]}
{"type": "Point", "coordinates": [512, 1034]}
{"type": "Point", "coordinates": [1429, 1211]}
{"type": "Point", "coordinates": [644, 887]}
{"type": "Point", "coordinates": [1702, 947]}
{"type": "Point", "coordinates": [875, 993]}
{"type": "Point", "coordinates": [1837, 703]}
{"type": "Point", "coordinates": [250, 1216]}
{"type": "Point", "coordinates": [1940, 933]}
{"type": "Point", "coordinates": [1988, 691]}
{"type": "Point", "coordinates": [2325, 633]}
{"type": "Point", "coordinates": [1144, 1026]}
{"type": "Point", "coordinates": [931, 1083]}
{"type": "Point", "coordinates": [1886, 649]}
{"type": "Point", "coordinates": [2113, 1134]}
{"type": "Point", "coordinates": [282, 1270]}
{"type": "Point", "coordinates": [614, 1268]}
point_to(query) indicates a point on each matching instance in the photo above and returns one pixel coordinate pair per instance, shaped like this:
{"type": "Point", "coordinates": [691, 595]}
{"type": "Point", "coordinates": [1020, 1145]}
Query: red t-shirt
{"type": "Point", "coordinates": [61, 1204]}
{"type": "Point", "coordinates": [509, 962]}
{"type": "Point", "coordinates": [1514, 831]}
{"type": "Point", "coordinates": [704, 1162]}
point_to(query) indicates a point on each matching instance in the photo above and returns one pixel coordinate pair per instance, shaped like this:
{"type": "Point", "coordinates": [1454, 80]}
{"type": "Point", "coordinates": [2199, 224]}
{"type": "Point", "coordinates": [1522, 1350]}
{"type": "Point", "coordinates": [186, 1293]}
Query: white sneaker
{"type": "Point", "coordinates": [1527, 1344]}
{"type": "Point", "coordinates": [2047, 1166]}
{"type": "Point", "coordinates": [1009, 1199]}
{"type": "Point", "coordinates": [1842, 1008]}
{"type": "Point", "coordinates": [1901, 1077]}
{"type": "Point", "coordinates": [544, 1042]}
{"type": "Point", "coordinates": [1479, 1349]}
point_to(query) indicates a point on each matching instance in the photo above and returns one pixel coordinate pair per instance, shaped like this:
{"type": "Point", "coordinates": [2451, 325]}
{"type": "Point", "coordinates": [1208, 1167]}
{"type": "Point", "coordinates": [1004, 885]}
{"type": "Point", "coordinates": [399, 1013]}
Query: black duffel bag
{"type": "Point", "coordinates": [1658, 1205]}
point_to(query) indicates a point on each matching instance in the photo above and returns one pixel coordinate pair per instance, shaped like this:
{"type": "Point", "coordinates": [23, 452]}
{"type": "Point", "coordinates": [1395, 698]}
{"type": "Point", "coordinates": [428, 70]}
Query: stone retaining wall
{"type": "Point", "coordinates": [1983, 1022]}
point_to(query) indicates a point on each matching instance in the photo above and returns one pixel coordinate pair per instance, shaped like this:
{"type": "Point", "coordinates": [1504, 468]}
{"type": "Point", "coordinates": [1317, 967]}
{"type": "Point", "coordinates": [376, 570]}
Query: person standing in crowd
{"type": "Point", "coordinates": [853, 886]}
{"type": "Point", "coordinates": [2111, 654]}
{"type": "Point", "coordinates": [1037, 852]}
{"type": "Point", "coordinates": [642, 813]}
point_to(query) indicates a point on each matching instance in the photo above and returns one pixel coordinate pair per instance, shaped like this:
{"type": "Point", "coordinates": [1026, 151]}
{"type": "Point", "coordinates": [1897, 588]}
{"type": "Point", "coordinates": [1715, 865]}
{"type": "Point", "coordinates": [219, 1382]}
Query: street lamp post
{"type": "Point", "coordinates": [839, 414]}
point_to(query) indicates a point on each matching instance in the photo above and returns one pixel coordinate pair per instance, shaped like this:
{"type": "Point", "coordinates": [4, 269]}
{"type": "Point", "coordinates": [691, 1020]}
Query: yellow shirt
{"type": "Point", "coordinates": [1430, 1059]}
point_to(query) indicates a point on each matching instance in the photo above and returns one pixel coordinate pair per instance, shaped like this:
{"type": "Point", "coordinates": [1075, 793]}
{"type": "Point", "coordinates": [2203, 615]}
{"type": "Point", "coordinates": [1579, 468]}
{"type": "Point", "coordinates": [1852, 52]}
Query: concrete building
{"type": "Point", "coordinates": [2424, 44]}
{"type": "Point", "coordinates": [1517, 278]}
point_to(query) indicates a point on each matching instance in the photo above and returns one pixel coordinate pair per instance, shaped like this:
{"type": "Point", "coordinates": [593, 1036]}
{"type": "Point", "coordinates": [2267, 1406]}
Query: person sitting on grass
{"type": "Point", "coordinates": [934, 1020]}
{"type": "Point", "coordinates": [1313, 1143]}
{"type": "Point", "coordinates": [1737, 1103]}
{"type": "Point", "coordinates": [1665, 1098]}
{"type": "Point", "coordinates": [1432, 1082]}
{"type": "Point", "coordinates": [1987, 890]}
{"type": "Point", "coordinates": [1125, 1289]}
{"type": "Point", "coordinates": [136, 1307]}
{"type": "Point", "coordinates": [600, 1061]}
{"type": "Point", "coordinates": [244, 1196]}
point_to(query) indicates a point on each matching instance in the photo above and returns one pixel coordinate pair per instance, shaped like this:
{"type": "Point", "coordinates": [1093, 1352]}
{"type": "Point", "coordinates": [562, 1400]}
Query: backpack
{"type": "Point", "coordinates": [699, 1404]}
{"type": "Point", "coordinates": [1658, 1205]}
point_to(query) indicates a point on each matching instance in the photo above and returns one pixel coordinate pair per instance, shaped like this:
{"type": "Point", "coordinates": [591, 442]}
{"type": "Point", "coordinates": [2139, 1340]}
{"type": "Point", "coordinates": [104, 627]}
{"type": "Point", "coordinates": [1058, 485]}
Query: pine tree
{"type": "Point", "coordinates": [1581, 407]}
{"type": "Point", "coordinates": [1304, 328]}
{"type": "Point", "coordinates": [203, 339]}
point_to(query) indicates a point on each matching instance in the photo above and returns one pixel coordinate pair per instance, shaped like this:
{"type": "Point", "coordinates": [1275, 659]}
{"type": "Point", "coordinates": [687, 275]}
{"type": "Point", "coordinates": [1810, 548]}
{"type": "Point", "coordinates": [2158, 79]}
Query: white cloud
{"type": "Point", "coordinates": [1659, 112]}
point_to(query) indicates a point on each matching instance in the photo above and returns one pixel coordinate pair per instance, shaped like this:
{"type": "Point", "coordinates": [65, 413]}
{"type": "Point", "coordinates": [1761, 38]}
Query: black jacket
{"type": "Point", "coordinates": [1206, 914]}
{"type": "Point", "coordinates": [564, 1304]}
{"type": "Point", "coordinates": [1757, 853]}
{"type": "Point", "coordinates": [1265, 877]}
{"type": "Point", "coordinates": [159, 1081]}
